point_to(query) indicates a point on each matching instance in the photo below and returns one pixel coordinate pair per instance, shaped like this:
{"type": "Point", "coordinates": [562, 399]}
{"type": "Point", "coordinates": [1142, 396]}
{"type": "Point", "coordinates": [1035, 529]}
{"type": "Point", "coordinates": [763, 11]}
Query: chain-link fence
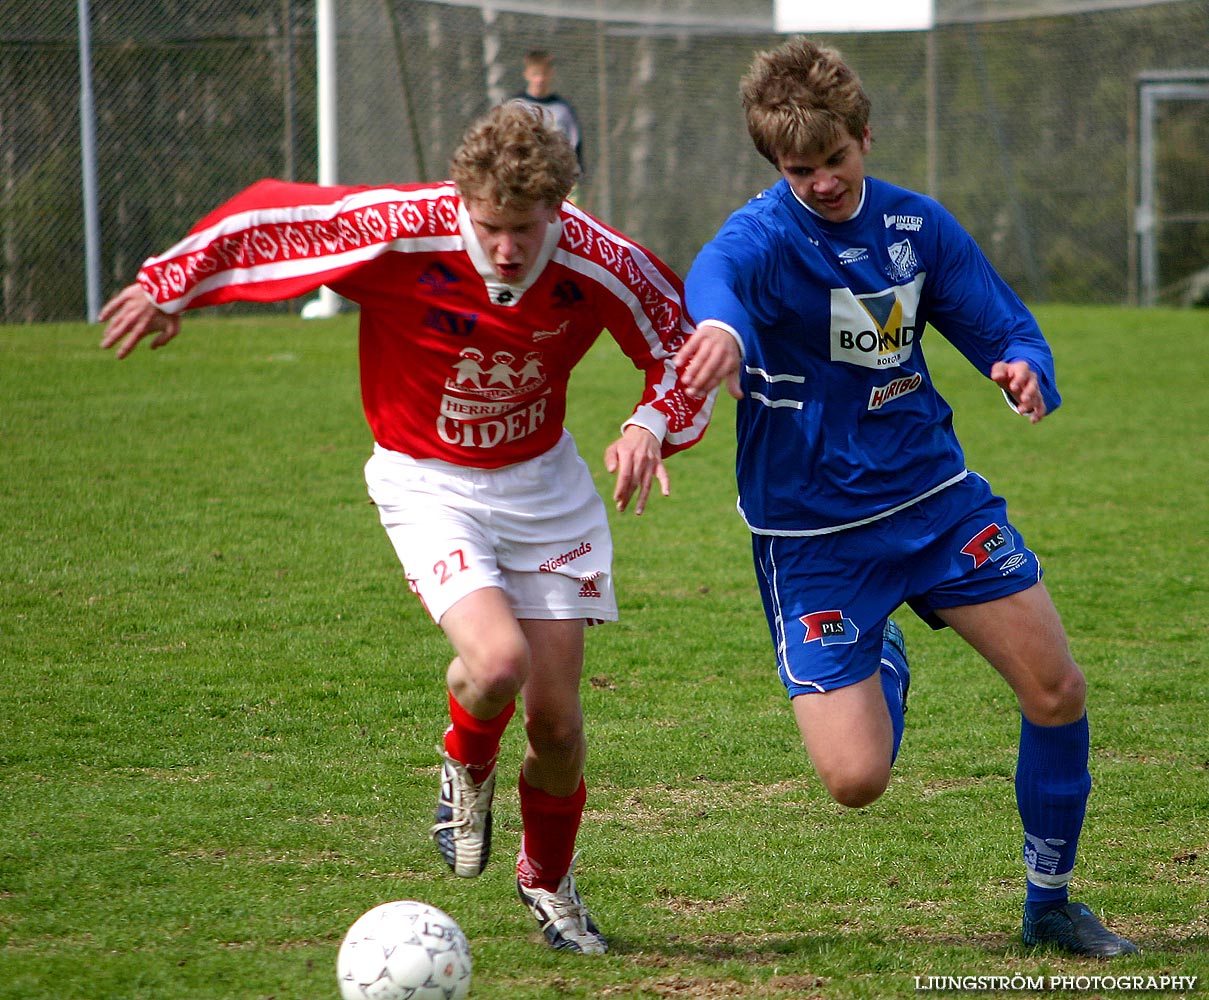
{"type": "Point", "coordinates": [194, 100]}
{"type": "Point", "coordinates": [1026, 127]}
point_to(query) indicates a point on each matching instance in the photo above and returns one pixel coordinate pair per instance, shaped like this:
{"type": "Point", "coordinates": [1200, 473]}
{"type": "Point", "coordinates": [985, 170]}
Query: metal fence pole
{"type": "Point", "coordinates": [328, 302]}
{"type": "Point", "coordinates": [88, 169]}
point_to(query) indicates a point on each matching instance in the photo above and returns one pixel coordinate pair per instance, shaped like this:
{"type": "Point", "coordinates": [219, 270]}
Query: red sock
{"type": "Point", "coordinates": [475, 743]}
{"type": "Point", "coordinates": [550, 824]}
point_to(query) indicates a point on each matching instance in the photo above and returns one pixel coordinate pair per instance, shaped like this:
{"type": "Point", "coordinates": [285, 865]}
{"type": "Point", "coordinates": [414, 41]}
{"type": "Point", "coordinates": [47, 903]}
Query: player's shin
{"type": "Point", "coordinates": [474, 742]}
{"type": "Point", "coordinates": [1052, 786]}
{"type": "Point", "coordinates": [896, 680]}
{"type": "Point", "coordinates": [550, 824]}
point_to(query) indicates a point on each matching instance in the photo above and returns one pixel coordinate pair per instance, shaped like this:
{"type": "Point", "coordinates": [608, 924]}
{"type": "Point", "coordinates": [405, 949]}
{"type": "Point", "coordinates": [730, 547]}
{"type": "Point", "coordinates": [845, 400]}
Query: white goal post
{"type": "Point", "coordinates": [328, 302]}
{"type": "Point", "coordinates": [1155, 88]}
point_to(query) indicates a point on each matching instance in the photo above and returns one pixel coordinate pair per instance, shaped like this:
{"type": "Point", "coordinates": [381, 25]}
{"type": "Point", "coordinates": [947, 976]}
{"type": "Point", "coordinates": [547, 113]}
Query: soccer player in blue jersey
{"type": "Point", "coordinates": [811, 302]}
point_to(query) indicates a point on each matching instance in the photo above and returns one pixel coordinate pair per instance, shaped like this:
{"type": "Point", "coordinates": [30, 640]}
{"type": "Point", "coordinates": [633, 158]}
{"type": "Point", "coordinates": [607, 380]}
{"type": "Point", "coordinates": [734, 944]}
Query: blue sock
{"type": "Point", "coordinates": [1052, 785]}
{"type": "Point", "coordinates": [894, 677]}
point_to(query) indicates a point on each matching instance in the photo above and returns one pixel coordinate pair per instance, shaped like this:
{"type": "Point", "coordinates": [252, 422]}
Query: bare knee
{"type": "Point", "coordinates": [1058, 701]}
{"type": "Point", "coordinates": [855, 789]}
{"type": "Point", "coordinates": [555, 736]}
{"type": "Point", "coordinates": [488, 679]}
{"type": "Point", "coordinates": [849, 737]}
{"type": "Point", "coordinates": [1022, 637]}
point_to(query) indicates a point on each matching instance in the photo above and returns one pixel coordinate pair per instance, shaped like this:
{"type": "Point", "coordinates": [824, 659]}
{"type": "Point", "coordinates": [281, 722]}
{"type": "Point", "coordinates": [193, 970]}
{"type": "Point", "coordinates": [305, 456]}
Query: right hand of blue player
{"type": "Point", "coordinates": [710, 355]}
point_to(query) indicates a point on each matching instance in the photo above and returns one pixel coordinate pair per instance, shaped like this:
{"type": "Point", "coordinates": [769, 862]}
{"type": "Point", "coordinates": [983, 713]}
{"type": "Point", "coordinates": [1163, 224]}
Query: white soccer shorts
{"type": "Point", "coordinates": [538, 530]}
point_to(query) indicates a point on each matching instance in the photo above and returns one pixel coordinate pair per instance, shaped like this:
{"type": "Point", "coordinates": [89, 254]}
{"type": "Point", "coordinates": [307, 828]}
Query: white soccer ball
{"type": "Point", "coordinates": [404, 950]}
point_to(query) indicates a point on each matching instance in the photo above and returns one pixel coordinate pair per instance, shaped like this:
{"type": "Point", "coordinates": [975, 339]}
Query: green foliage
{"type": "Point", "coordinates": [219, 703]}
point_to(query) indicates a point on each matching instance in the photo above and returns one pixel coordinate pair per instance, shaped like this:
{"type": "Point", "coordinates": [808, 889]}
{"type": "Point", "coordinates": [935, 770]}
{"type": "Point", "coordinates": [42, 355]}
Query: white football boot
{"type": "Point", "coordinates": [463, 827]}
{"type": "Point", "coordinates": [564, 919]}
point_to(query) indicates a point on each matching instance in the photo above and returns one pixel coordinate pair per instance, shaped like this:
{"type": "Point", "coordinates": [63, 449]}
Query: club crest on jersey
{"type": "Point", "coordinates": [437, 279]}
{"type": "Point", "coordinates": [876, 330]}
{"type": "Point", "coordinates": [903, 262]}
{"type": "Point", "coordinates": [829, 628]}
{"type": "Point", "coordinates": [567, 295]}
{"type": "Point", "coordinates": [991, 543]}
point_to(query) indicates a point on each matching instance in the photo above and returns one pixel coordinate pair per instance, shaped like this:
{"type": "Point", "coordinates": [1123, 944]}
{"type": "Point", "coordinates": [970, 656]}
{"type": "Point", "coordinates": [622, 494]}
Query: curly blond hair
{"type": "Point", "coordinates": [800, 98]}
{"type": "Point", "coordinates": [513, 157]}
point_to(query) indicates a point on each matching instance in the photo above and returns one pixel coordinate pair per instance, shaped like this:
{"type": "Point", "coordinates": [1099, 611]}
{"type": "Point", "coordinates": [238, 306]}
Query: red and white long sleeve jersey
{"type": "Point", "coordinates": [455, 364]}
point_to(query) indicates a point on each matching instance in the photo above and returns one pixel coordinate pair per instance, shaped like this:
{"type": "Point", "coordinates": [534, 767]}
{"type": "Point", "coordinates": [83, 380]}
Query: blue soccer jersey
{"type": "Point", "coordinates": [840, 422]}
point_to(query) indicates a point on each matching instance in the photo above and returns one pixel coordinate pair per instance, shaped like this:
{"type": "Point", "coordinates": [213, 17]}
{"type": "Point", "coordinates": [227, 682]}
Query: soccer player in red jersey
{"type": "Point", "coordinates": [478, 296]}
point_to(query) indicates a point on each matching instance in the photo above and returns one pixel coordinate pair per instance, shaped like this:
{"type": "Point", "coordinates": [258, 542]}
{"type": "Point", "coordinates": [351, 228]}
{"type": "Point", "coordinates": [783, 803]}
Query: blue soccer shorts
{"type": "Point", "coordinates": [827, 597]}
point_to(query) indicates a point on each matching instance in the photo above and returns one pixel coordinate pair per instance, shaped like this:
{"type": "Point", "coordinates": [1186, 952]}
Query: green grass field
{"type": "Point", "coordinates": [219, 704]}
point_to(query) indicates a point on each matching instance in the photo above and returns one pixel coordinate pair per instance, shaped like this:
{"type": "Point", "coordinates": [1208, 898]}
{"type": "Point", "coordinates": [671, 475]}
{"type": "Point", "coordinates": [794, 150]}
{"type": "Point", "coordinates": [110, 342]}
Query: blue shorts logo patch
{"type": "Point", "coordinates": [830, 628]}
{"type": "Point", "coordinates": [992, 543]}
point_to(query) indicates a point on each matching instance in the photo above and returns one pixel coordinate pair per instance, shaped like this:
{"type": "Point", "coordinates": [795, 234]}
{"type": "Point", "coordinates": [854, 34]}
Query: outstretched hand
{"type": "Point", "coordinates": [710, 355]}
{"type": "Point", "coordinates": [130, 316]}
{"type": "Point", "coordinates": [636, 458]}
{"type": "Point", "coordinates": [1020, 382]}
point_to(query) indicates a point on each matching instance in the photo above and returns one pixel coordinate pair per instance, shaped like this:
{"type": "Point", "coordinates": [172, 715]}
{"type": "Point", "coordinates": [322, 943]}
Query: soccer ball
{"type": "Point", "coordinates": [404, 950]}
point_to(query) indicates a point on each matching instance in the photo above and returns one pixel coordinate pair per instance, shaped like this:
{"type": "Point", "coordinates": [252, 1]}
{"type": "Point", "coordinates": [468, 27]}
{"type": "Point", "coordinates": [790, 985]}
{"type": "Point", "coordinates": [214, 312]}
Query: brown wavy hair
{"type": "Point", "coordinates": [513, 157]}
{"type": "Point", "coordinates": [800, 98]}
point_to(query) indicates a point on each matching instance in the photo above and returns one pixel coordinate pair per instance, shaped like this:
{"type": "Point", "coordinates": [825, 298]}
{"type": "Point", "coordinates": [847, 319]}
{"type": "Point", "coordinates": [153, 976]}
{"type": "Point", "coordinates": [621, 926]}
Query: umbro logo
{"type": "Point", "coordinates": [853, 254]}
